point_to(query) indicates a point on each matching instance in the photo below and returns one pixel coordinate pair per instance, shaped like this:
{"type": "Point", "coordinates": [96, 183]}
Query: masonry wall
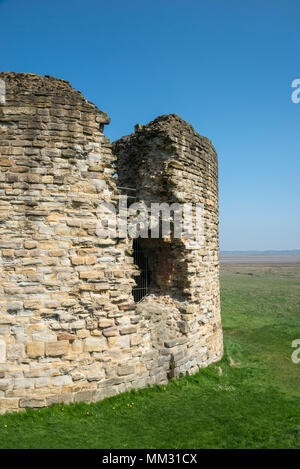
{"type": "Point", "coordinates": [69, 328]}
{"type": "Point", "coordinates": [167, 161]}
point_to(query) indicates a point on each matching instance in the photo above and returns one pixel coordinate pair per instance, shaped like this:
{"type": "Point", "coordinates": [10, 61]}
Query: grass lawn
{"type": "Point", "coordinates": [253, 403]}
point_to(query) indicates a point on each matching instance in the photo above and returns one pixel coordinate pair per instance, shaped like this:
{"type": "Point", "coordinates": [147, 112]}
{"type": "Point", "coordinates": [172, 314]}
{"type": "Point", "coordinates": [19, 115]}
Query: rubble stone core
{"type": "Point", "coordinates": [70, 330]}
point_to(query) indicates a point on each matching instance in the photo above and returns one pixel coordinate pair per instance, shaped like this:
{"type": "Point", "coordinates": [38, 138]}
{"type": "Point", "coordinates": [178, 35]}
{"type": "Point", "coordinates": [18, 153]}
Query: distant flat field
{"type": "Point", "coordinates": [264, 258]}
{"type": "Point", "coordinates": [261, 314]}
{"type": "Point", "coordinates": [262, 271]}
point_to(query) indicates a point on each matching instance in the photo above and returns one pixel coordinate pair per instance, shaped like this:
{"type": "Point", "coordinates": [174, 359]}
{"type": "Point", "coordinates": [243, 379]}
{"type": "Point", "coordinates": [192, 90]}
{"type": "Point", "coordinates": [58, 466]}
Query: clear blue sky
{"type": "Point", "coordinates": [225, 66]}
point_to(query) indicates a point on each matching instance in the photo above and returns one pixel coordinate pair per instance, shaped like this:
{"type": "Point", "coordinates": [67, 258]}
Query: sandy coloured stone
{"type": "Point", "coordinates": [7, 252]}
{"type": "Point", "coordinates": [128, 330]}
{"type": "Point", "coordinates": [69, 302]}
{"type": "Point", "coordinates": [92, 274]}
{"type": "Point", "coordinates": [8, 404]}
{"type": "Point", "coordinates": [24, 383]}
{"type": "Point", "coordinates": [81, 260]}
{"type": "Point", "coordinates": [4, 384]}
{"type": "Point", "coordinates": [30, 244]}
{"type": "Point", "coordinates": [14, 305]}
{"type": "Point", "coordinates": [15, 351]}
{"type": "Point", "coordinates": [61, 380]}
{"type": "Point", "coordinates": [94, 344]}
{"type": "Point", "coordinates": [135, 340]}
{"type": "Point", "coordinates": [42, 382]}
{"type": "Point", "coordinates": [35, 349]}
{"type": "Point", "coordinates": [66, 336]}
{"type": "Point", "coordinates": [35, 403]}
{"type": "Point", "coordinates": [104, 322]}
{"type": "Point", "coordinates": [110, 331]}
{"type": "Point", "coordinates": [5, 162]}
{"type": "Point", "coordinates": [33, 304]}
{"type": "Point", "coordinates": [55, 349]}
{"type": "Point", "coordinates": [61, 398]}
{"type": "Point", "coordinates": [125, 370]}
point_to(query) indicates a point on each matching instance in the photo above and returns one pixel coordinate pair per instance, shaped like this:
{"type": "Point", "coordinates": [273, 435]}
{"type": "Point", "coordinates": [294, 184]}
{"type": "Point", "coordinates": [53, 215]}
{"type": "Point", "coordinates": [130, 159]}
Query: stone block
{"type": "Point", "coordinates": [94, 344]}
{"type": "Point", "coordinates": [177, 341]}
{"type": "Point", "coordinates": [110, 332]}
{"type": "Point", "coordinates": [63, 380]}
{"type": "Point", "coordinates": [4, 384]}
{"type": "Point", "coordinates": [84, 396]}
{"type": "Point", "coordinates": [8, 404]}
{"type": "Point", "coordinates": [14, 306]}
{"type": "Point", "coordinates": [104, 322]}
{"type": "Point", "coordinates": [128, 330]}
{"type": "Point", "coordinates": [135, 340]}
{"type": "Point", "coordinates": [56, 349]}
{"type": "Point", "coordinates": [33, 304]}
{"type": "Point", "coordinates": [35, 349]}
{"type": "Point", "coordinates": [126, 370]}
{"type": "Point", "coordinates": [24, 383]}
{"type": "Point", "coordinates": [15, 351]}
{"type": "Point", "coordinates": [66, 336]}
{"type": "Point", "coordinates": [34, 403]}
{"type": "Point", "coordinates": [59, 399]}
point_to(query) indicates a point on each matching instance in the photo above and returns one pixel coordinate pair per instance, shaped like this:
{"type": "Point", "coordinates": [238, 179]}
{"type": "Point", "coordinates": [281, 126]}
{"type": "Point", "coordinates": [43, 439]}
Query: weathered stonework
{"type": "Point", "coordinates": [70, 330]}
{"type": "Point", "coordinates": [167, 161]}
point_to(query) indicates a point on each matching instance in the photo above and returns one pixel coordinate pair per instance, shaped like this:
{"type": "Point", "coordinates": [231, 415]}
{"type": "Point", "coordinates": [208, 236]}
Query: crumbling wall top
{"type": "Point", "coordinates": [167, 132]}
{"type": "Point", "coordinates": [28, 88]}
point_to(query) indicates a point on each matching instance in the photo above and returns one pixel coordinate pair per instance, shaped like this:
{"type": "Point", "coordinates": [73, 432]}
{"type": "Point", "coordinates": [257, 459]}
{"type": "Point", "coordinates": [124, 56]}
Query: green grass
{"type": "Point", "coordinates": [254, 403]}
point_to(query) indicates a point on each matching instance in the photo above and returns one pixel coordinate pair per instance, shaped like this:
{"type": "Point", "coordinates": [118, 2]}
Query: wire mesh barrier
{"type": "Point", "coordinates": [143, 280]}
{"type": "Point", "coordinates": [139, 256]}
{"type": "Point", "coordinates": [128, 191]}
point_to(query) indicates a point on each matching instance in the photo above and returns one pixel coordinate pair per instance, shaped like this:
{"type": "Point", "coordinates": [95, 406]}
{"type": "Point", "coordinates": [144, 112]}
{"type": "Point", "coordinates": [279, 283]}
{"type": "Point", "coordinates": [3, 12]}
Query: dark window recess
{"type": "Point", "coordinates": [144, 279]}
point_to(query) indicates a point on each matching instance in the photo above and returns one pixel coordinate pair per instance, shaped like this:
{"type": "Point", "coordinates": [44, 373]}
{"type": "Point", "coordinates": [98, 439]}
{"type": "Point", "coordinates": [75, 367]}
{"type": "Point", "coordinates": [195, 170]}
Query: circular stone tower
{"type": "Point", "coordinates": [169, 164]}
{"type": "Point", "coordinates": [60, 284]}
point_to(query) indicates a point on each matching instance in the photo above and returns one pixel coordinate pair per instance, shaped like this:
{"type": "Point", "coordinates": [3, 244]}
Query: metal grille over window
{"type": "Point", "coordinates": [143, 280]}
{"type": "Point", "coordinates": [129, 192]}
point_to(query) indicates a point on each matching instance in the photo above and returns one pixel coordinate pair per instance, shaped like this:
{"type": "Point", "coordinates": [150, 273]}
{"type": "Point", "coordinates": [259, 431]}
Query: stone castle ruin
{"type": "Point", "coordinates": [83, 317]}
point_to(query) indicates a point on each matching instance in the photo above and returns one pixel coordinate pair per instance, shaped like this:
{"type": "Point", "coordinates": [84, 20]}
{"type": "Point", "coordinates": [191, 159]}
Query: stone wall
{"type": "Point", "coordinates": [166, 161]}
{"type": "Point", "coordinates": [69, 328]}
